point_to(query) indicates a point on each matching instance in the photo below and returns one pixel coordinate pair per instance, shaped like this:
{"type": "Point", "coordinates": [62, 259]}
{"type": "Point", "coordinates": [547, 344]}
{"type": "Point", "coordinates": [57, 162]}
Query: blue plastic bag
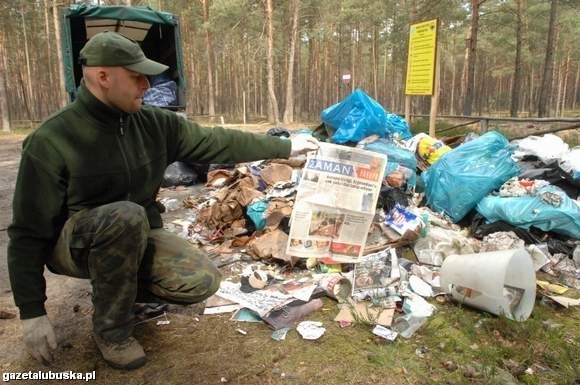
{"type": "Point", "coordinates": [397, 126]}
{"type": "Point", "coordinates": [526, 211]}
{"type": "Point", "coordinates": [355, 118]}
{"type": "Point", "coordinates": [398, 159]}
{"type": "Point", "coordinates": [463, 176]}
{"type": "Point", "coordinates": [256, 211]}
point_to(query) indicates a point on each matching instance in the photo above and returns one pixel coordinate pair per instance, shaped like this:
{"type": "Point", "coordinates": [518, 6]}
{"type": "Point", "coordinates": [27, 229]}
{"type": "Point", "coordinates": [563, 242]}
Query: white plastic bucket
{"type": "Point", "coordinates": [500, 282]}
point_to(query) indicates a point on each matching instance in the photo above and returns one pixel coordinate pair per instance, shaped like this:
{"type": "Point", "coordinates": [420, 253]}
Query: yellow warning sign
{"type": "Point", "coordinates": [421, 59]}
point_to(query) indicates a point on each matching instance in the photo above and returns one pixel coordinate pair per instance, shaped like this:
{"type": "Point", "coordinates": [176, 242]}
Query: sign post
{"type": "Point", "coordinates": [421, 66]}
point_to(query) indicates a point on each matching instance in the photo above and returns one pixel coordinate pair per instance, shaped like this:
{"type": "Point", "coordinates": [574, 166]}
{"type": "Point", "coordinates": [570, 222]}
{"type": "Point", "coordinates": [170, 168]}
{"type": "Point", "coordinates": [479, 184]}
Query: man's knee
{"type": "Point", "coordinates": [188, 286]}
{"type": "Point", "coordinates": [124, 215]}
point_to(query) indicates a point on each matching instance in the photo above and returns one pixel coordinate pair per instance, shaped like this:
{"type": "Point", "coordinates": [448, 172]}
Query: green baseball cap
{"type": "Point", "coordinates": [111, 49]}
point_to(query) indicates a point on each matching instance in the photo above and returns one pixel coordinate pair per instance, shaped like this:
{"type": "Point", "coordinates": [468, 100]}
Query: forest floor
{"type": "Point", "coordinates": [456, 346]}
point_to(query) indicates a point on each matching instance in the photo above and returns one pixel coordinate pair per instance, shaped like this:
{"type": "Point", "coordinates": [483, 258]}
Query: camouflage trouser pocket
{"type": "Point", "coordinates": [71, 250]}
{"type": "Point", "coordinates": [176, 271]}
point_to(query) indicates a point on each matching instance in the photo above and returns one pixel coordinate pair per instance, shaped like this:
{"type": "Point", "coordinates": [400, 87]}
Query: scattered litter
{"type": "Point", "coordinates": [552, 287]}
{"type": "Point", "coordinates": [164, 321]}
{"type": "Point", "coordinates": [418, 306]}
{"type": "Point", "coordinates": [509, 287]}
{"type": "Point", "coordinates": [336, 286]}
{"type": "Point", "coordinates": [421, 351]}
{"type": "Point", "coordinates": [280, 334]}
{"type": "Point", "coordinates": [310, 330]}
{"type": "Point", "coordinates": [502, 240]}
{"type": "Point", "coordinates": [369, 242]}
{"type": "Point", "coordinates": [420, 287]}
{"type": "Point", "coordinates": [540, 255]}
{"type": "Point", "coordinates": [291, 313]}
{"type": "Point", "coordinates": [170, 204]}
{"type": "Point", "coordinates": [376, 272]}
{"type": "Point", "coordinates": [564, 301]}
{"type": "Point", "coordinates": [246, 315]}
{"type": "Point", "coordinates": [402, 220]}
{"type": "Point", "coordinates": [408, 324]}
{"type": "Point", "coordinates": [385, 333]}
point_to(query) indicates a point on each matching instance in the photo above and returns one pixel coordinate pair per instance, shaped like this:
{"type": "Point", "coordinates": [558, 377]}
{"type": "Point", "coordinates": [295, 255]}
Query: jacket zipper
{"type": "Point", "coordinates": [127, 169]}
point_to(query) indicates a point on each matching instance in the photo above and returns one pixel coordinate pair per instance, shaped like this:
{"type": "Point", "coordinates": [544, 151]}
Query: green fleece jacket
{"type": "Point", "coordinates": [89, 154]}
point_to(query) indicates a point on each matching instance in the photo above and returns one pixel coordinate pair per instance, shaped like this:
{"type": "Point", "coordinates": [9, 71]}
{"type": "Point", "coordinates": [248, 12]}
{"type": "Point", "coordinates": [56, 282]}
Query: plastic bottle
{"type": "Point", "coordinates": [408, 324]}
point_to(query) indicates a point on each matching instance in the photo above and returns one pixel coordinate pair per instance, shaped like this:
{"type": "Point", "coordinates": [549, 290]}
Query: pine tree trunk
{"type": "Point", "coordinates": [273, 113]}
{"type": "Point", "coordinates": [576, 87]}
{"type": "Point", "coordinates": [383, 81]}
{"type": "Point", "coordinates": [375, 62]}
{"type": "Point", "coordinates": [210, 61]}
{"type": "Point", "coordinates": [518, 63]}
{"type": "Point", "coordinates": [565, 81]}
{"type": "Point", "coordinates": [289, 105]}
{"type": "Point", "coordinates": [4, 112]}
{"type": "Point", "coordinates": [51, 98]}
{"type": "Point", "coordinates": [63, 97]}
{"type": "Point", "coordinates": [453, 79]}
{"type": "Point", "coordinates": [28, 80]}
{"type": "Point", "coordinates": [546, 86]}
{"type": "Point", "coordinates": [353, 69]}
{"type": "Point", "coordinates": [471, 59]}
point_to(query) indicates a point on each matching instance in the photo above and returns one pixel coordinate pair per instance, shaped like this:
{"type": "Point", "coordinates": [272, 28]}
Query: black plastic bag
{"type": "Point", "coordinates": [179, 174]}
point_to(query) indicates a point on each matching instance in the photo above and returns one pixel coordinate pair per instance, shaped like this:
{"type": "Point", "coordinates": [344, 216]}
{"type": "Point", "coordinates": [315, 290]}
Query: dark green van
{"type": "Point", "coordinates": [157, 32]}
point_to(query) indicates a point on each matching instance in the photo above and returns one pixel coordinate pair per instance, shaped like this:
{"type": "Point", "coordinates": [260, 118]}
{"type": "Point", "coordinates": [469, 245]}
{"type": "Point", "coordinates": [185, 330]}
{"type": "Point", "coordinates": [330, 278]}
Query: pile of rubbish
{"type": "Point", "coordinates": [389, 225]}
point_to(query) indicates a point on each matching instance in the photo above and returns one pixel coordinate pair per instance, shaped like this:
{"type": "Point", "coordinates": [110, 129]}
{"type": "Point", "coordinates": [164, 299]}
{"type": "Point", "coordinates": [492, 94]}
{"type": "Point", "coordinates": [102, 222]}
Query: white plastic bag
{"type": "Point", "coordinates": [546, 148]}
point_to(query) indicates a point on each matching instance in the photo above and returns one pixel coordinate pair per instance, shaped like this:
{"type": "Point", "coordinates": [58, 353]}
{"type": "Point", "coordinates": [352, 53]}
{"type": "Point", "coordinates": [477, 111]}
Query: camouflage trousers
{"type": "Point", "coordinates": [127, 262]}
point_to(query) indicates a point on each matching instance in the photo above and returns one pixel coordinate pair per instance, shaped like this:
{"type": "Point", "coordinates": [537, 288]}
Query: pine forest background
{"type": "Point", "coordinates": [285, 58]}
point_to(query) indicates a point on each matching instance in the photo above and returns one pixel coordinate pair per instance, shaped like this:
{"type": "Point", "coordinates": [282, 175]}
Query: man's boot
{"type": "Point", "coordinates": [127, 355]}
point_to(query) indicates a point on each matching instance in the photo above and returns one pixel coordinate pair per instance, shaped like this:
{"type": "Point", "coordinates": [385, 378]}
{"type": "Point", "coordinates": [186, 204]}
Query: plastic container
{"type": "Point", "coordinates": [500, 282]}
{"type": "Point", "coordinates": [408, 324]}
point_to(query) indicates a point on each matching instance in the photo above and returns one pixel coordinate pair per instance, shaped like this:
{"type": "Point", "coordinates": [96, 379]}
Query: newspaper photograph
{"type": "Point", "coordinates": [335, 203]}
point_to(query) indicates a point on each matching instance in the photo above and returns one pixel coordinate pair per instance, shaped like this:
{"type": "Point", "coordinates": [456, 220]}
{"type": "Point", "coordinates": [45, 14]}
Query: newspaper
{"type": "Point", "coordinates": [335, 203]}
{"type": "Point", "coordinates": [261, 302]}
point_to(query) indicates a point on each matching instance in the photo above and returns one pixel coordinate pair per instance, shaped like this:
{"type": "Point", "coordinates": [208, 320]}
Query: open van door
{"type": "Point", "coordinates": [156, 32]}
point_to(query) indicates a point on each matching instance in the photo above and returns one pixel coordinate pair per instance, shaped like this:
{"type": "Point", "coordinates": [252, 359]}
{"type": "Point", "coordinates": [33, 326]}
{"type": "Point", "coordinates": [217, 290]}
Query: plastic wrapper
{"type": "Point", "coordinates": [440, 243]}
{"type": "Point", "coordinates": [163, 92]}
{"type": "Point", "coordinates": [257, 213]}
{"type": "Point", "coordinates": [462, 177]}
{"type": "Point", "coordinates": [550, 210]}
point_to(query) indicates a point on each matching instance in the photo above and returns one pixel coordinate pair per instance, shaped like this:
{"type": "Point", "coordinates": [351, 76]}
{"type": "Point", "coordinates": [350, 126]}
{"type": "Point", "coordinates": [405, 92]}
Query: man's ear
{"type": "Point", "coordinates": [103, 78]}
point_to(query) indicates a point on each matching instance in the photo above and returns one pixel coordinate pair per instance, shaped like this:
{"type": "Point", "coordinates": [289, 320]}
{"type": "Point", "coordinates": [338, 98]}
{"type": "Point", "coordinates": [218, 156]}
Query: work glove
{"type": "Point", "coordinates": [302, 144]}
{"type": "Point", "coordinates": [39, 338]}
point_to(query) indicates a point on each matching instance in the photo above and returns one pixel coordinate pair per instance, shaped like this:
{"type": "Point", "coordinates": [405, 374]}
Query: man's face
{"type": "Point", "coordinates": [126, 89]}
